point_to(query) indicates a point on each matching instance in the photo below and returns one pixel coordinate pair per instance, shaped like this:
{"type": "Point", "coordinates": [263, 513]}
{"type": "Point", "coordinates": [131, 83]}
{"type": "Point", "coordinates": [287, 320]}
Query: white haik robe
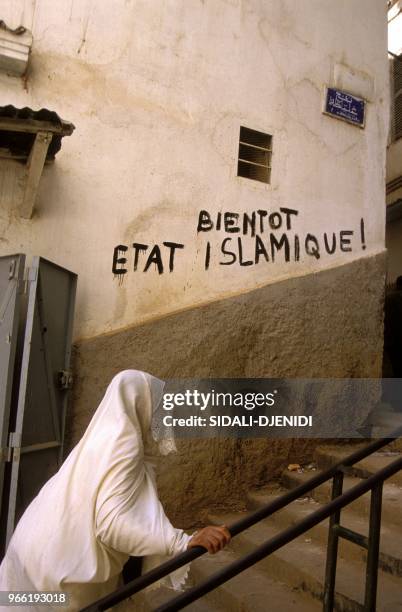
{"type": "Point", "coordinates": [100, 507]}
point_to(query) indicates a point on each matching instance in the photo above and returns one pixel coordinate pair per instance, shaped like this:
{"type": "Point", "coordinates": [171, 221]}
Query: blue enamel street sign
{"type": "Point", "coordinates": [344, 106]}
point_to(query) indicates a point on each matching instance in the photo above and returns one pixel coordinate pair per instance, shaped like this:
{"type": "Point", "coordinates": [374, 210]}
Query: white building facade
{"type": "Point", "coordinates": [184, 267]}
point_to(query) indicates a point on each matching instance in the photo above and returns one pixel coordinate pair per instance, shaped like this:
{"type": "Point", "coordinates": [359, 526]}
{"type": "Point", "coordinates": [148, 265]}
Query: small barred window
{"type": "Point", "coordinates": [255, 152]}
{"type": "Point", "coordinates": [397, 97]}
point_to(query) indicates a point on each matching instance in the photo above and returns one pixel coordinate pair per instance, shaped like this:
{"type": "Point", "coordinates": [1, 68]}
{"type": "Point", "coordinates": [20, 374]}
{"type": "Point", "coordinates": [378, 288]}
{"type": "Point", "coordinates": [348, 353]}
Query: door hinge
{"type": "Point", "coordinates": [13, 450]}
{"type": "Point", "coordinates": [31, 273]}
{"type": "Point", "coordinates": [30, 276]}
{"type": "Point", "coordinates": [12, 269]}
{"type": "Point", "coordinates": [65, 379]}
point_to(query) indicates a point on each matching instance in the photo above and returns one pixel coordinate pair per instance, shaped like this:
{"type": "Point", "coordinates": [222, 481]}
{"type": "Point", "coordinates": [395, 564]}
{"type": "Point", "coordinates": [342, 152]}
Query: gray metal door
{"type": "Point", "coordinates": [11, 276]}
{"type": "Point", "coordinates": [37, 439]}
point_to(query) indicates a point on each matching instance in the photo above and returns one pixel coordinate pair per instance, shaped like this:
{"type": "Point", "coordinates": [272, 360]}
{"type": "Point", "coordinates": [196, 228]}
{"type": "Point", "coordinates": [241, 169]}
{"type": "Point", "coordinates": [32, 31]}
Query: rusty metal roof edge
{"type": "Point", "coordinates": [40, 119]}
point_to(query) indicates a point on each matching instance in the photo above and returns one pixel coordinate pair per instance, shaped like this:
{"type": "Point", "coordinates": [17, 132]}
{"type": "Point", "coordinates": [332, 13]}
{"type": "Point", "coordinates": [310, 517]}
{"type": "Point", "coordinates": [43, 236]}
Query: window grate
{"type": "Point", "coordinates": [397, 97]}
{"type": "Point", "coordinates": [255, 151]}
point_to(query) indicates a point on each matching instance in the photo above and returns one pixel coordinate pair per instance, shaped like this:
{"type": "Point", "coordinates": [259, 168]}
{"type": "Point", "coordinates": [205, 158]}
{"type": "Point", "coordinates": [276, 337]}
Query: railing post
{"type": "Point", "coordinates": [373, 549]}
{"type": "Point", "coordinates": [332, 547]}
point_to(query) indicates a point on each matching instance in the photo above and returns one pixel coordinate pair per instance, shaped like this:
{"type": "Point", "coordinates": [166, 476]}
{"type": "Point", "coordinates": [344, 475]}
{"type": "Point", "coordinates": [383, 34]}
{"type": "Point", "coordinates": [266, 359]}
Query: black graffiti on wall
{"type": "Point", "coordinates": [156, 256]}
{"type": "Point", "coordinates": [269, 244]}
{"type": "Point", "coordinates": [250, 238]}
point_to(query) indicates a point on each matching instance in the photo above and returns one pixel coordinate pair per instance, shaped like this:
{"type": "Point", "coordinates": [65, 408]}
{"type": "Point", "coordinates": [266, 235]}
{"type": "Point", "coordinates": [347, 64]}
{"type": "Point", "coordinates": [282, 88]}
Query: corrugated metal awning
{"type": "Point", "coordinates": [19, 127]}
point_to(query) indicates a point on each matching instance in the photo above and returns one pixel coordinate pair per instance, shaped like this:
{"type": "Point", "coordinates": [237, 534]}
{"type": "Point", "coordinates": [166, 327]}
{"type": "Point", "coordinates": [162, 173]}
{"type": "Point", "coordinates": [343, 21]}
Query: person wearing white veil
{"type": "Point", "coordinates": [101, 507]}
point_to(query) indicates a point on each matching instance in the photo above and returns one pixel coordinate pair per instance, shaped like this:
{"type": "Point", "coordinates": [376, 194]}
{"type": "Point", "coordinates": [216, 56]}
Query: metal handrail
{"type": "Point", "coordinates": [279, 540]}
{"type": "Point", "coordinates": [239, 526]}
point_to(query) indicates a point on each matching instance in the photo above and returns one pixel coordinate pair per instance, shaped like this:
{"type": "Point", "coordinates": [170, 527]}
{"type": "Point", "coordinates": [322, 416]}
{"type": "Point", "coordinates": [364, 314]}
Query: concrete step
{"type": "Point", "coordinates": [151, 600]}
{"type": "Point", "coordinates": [392, 495]}
{"type": "Point", "coordinates": [250, 591]}
{"type": "Point", "coordinates": [391, 538]}
{"type": "Point", "coordinates": [328, 455]}
{"type": "Point", "coordinates": [301, 565]}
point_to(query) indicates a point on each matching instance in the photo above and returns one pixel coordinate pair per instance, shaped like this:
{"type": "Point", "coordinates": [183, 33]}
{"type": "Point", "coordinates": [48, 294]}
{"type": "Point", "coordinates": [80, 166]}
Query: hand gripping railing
{"type": "Point", "coordinates": [332, 509]}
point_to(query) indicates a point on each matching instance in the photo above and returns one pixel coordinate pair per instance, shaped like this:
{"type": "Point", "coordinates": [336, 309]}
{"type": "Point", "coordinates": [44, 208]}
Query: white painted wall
{"type": "Point", "coordinates": [157, 91]}
{"type": "Point", "coordinates": [394, 28]}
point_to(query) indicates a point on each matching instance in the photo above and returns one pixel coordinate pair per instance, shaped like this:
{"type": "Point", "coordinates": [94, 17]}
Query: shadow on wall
{"type": "Point", "coordinates": [392, 363]}
{"type": "Point", "coordinates": [328, 324]}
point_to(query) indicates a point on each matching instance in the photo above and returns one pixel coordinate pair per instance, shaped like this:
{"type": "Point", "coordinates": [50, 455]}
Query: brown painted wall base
{"type": "Point", "coordinates": [328, 324]}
